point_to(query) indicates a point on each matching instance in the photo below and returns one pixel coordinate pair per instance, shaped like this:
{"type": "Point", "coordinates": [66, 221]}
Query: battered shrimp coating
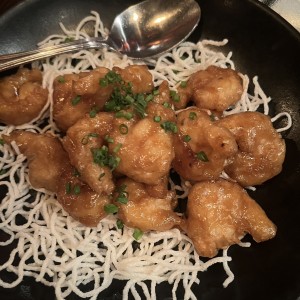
{"type": "Point", "coordinates": [22, 97]}
{"type": "Point", "coordinates": [138, 76]}
{"type": "Point", "coordinates": [46, 157]}
{"type": "Point", "coordinates": [159, 190]}
{"type": "Point", "coordinates": [161, 105]}
{"type": "Point", "coordinates": [74, 95]}
{"type": "Point", "coordinates": [50, 168]}
{"type": "Point", "coordinates": [215, 89]}
{"type": "Point", "coordinates": [202, 147]}
{"type": "Point", "coordinates": [220, 213]}
{"type": "Point", "coordinates": [80, 140]}
{"type": "Point", "coordinates": [80, 201]}
{"type": "Point", "coordinates": [144, 211]}
{"type": "Point", "coordinates": [261, 149]}
{"type": "Point", "coordinates": [144, 148]}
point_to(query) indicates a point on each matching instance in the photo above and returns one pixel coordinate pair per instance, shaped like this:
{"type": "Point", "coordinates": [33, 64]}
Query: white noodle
{"type": "Point", "coordinates": [60, 252]}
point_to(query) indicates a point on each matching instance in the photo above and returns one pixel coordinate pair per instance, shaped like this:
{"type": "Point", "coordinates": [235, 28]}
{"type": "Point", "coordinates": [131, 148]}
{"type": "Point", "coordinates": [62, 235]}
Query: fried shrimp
{"type": "Point", "coordinates": [138, 76]}
{"type": "Point", "coordinates": [160, 108]}
{"type": "Point", "coordinates": [143, 211]}
{"type": "Point", "coordinates": [86, 146]}
{"type": "Point", "coordinates": [22, 97]}
{"type": "Point", "coordinates": [50, 168]}
{"type": "Point", "coordinates": [261, 149]}
{"type": "Point", "coordinates": [46, 157]}
{"type": "Point", "coordinates": [202, 147]}
{"type": "Point", "coordinates": [215, 89]}
{"type": "Point", "coordinates": [74, 95]}
{"type": "Point", "coordinates": [80, 201]}
{"type": "Point", "coordinates": [219, 213]}
{"type": "Point", "coordinates": [144, 148]}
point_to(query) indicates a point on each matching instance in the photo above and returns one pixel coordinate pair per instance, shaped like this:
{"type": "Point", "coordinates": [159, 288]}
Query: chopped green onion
{"type": "Point", "coordinates": [192, 115]}
{"type": "Point", "coordinates": [85, 139]}
{"type": "Point", "coordinates": [120, 224]}
{"type": "Point", "coordinates": [68, 188]}
{"type": "Point", "coordinates": [183, 84]}
{"type": "Point", "coordinates": [187, 138]}
{"type": "Point", "coordinates": [174, 95]}
{"type": "Point", "coordinates": [157, 119]}
{"type": "Point", "coordinates": [76, 189]}
{"type": "Point", "coordinates": [103, 158]}
{"type": "Point", "coordinates": [124, 114]}
{"type": "Point", "coordinates": [129, 98]}
{"type": "Point", "coordinates": [111, 208]}
{"type": "Point", "coordinates": [202, 156]}
{"type": "Point", "coordinates": [169, 126]}
{"type": "Point", "coordinates": [123, 195]}
{"type": "Point", "coordinates": [2, 142]}
{"type": "Point", "coordinates": [123, 128]}
{"type": "Point", "coordinates": [149, 97]}
{"type": "Point", "coordinates": [76, 100]}
{"type": "Point", "coordinates": [61, 79]}
{"type": "Point", "coordinates": [108, 139]}
{"type": "Point", "coordinates": [110, 77]}
{"type": "Point", "coordinates": [155, 92]}
{"type": "Point", "coordinates": [166, 104]}
{"type": "Point", "coordinates": [93, 112]}
{"type": "Point", "coordinates": [137, 234]}
{"type": "Point", "coordinates": [117, 148]}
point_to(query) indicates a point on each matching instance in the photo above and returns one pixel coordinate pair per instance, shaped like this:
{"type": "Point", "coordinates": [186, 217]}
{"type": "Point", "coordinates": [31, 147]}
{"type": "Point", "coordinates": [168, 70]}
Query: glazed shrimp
{"type": "Point", "coordinates": [144, 211]}
{"type": "Point", "coordinates": [201, 146]}
{"type": "Point", "coordinates": [261, 149]}
{"type": "Point", "coordinates": [219, 213]}
{"type": "Point", "coordinates": [145, 149]}
{"type": "Point", "coordinates": [50, 168]}
{"type": "Point", "coordinates": [215, 89]}
{"type": "Point", "coordinates": [22, 97]}
{"type": "Point", "coordinates": [86, 145]}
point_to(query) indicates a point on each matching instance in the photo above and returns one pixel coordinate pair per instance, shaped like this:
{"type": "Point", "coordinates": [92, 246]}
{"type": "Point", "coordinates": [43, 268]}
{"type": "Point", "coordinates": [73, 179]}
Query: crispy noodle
{"type": "Point", "coordinates": [60, 252]}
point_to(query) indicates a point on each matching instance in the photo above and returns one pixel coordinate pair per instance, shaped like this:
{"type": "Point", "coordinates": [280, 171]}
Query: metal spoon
{"type": "Point", "coordinates": [143, 30]}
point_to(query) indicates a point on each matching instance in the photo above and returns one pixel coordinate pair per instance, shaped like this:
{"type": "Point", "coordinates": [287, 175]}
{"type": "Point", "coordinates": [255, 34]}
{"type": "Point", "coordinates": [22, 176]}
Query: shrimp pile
{"type": "Point", "coordinates": [121, 138]}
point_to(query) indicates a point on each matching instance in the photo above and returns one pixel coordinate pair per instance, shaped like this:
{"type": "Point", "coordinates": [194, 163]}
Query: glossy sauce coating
{"type": "Point", "coordinates": [219, 213]}
{"type": "Point", "coordinates": [22, 97]}
{"type": "Point", "coordinates": [261, 149]}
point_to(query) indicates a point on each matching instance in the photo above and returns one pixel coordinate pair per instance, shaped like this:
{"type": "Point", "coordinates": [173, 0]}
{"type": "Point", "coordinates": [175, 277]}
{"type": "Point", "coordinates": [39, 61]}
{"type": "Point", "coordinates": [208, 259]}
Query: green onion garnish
{"type": "Point", "coordinates": [120, 224]}
{"type": "Point", "coordinates": [169, 126]}
{"type": "Point", "coordinates": [183, 84]}
{"type": "Point", "coordinates": [157, 119]}
{"type": "Point", "coordinates": [202, 156]}
{"type": "Point", "coordinates": [76, 100]}
{"type": "Point", "coordinates": [137, 234]}
{"type": "Point", "coordinates": [175, 97]}
{"type": "Point", "coordinates": [111, 208]}
{"type": "Point", "coordinates": [76, 190]}
{"type": "Point", "coordinates": [187, 138]}
{"type": "Point", "coordinates": [123, 128]}
{"type": "Point", "coordinates": [192, 115]}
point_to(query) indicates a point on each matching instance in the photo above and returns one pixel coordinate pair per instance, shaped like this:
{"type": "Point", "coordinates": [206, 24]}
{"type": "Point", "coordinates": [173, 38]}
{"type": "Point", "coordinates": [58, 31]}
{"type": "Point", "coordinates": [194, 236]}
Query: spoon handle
{"type": "Point", "coordinates": [9, 61]}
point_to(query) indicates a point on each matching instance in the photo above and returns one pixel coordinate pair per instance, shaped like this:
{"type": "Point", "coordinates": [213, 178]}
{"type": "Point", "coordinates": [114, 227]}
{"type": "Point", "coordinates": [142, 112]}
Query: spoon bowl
{"type": "Point", "coordinates": [144, 30]}
{"type": "Point", "coordinates": [153, 27]}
